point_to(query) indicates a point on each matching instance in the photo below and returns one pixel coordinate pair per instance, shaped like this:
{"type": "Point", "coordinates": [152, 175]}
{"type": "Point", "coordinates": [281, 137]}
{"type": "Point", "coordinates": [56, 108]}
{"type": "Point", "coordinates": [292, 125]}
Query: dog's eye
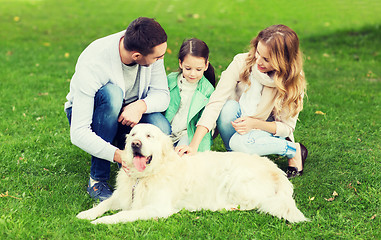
{"type": "Point", "coordinates": [133, 134]}
{"type": "Point", "coordinates": [149, 136]}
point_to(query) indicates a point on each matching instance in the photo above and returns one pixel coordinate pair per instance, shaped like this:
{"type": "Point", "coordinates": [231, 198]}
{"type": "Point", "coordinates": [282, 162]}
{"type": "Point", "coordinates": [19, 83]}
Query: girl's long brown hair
{"type": "Point", "coordinates": [286, 59]}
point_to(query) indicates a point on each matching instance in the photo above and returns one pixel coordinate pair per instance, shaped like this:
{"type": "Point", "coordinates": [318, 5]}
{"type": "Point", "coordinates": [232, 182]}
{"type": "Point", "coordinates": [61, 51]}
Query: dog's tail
{"type": "Point", "coordinates": [282, 204]}
{"type": "Point", "coordinates": [290, 212]}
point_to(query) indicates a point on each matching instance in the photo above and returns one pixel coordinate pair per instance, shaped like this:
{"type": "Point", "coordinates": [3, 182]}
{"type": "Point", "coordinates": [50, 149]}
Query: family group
{"type": "Point", "coordinates": [120, 81]}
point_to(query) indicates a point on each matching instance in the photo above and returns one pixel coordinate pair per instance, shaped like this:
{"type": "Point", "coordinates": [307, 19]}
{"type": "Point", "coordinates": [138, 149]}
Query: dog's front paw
{"type": "Point", "coordinates": [89, 215]}
{"type": "Point", "coordinates": [105, 220]}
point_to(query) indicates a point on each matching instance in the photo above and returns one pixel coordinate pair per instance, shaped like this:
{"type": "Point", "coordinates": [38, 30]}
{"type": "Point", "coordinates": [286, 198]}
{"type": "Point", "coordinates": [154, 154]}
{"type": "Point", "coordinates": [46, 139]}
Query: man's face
{"type": "Point", "coordinates": [158, 53]}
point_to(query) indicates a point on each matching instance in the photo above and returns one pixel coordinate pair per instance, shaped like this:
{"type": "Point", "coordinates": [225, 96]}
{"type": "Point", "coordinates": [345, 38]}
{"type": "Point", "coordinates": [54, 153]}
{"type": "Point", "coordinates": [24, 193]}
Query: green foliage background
{"type": "Point", "coordinates": [43, 176]}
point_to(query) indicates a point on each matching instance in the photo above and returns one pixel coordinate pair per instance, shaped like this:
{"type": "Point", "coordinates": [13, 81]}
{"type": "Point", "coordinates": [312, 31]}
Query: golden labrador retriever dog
{"type": "Point", "coordinates": [159, 183]}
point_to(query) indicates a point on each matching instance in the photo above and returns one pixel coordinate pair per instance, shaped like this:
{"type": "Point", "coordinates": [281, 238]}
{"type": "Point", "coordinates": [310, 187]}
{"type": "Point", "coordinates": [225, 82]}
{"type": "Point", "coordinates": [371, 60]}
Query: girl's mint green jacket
{"type": "Point", "coordinates": [199, 100]}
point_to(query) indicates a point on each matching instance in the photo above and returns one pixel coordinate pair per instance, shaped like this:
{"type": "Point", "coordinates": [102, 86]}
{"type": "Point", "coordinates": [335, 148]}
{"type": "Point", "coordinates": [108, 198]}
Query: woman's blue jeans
{"type": "Point", "coordinates": [107, 107]}
{"type": "Point", "coordinates": [254, 142]}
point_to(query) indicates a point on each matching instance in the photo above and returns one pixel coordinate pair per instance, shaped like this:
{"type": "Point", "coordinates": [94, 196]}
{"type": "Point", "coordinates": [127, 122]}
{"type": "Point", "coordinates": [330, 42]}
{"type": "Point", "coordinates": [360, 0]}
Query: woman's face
{"type": "Point", "coordinates": [263, 58]}
{"type": "Point", "coordinates": [193, 68]}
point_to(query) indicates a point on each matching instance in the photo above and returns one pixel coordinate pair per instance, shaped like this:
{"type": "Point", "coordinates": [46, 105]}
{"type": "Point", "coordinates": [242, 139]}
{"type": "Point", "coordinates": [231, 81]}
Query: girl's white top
{"type": "Point", "coordinates": [179, 121]}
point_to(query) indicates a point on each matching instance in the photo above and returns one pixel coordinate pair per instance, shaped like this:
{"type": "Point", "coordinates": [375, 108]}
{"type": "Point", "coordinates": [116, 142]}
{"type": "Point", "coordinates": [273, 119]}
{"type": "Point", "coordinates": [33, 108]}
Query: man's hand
{"type": "Point", "coordinates": [118, 159]}
{"type": "Point", "coordinates": [132, 113]}
{"type": "Point", "coordinates": [118, 156]}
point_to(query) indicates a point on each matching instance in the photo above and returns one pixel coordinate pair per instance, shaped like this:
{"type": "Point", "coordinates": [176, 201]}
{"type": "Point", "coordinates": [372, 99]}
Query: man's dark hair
{"type": "Point", "coordinates": [143, 34]}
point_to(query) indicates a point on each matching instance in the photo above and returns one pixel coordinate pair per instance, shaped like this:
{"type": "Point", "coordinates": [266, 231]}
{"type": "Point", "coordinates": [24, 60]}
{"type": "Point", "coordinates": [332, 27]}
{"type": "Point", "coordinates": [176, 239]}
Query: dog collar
{"type": "Point", "coordinates": [133, 190]}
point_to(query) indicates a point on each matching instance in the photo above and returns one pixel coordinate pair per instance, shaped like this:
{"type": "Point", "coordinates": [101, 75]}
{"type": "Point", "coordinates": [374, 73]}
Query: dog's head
{"type": "Point", "coordinates": [146, 148]}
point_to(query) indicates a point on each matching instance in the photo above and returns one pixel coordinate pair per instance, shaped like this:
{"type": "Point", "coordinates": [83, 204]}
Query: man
{"type": "Point", "coordinates": [119, 81]}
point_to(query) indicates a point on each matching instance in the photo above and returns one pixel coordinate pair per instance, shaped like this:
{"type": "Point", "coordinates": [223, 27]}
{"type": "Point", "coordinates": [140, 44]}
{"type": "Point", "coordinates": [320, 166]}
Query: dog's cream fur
{"type": "Point", "coordinates": [209, 180]}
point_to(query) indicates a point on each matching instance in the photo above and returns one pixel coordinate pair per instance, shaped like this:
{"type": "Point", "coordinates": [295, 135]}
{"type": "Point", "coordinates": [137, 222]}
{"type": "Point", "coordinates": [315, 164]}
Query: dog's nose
{"type": "Point", "coordinates": [136, 144]}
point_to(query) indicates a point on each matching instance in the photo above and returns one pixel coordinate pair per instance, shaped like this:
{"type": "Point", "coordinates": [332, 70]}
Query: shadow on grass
{"type": "Point", "coordinates": [357, 45]}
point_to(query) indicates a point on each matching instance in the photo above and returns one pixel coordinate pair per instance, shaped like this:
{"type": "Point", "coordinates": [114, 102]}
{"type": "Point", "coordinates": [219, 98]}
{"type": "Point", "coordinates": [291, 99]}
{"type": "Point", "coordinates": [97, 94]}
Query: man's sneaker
{"type": "Point", "coordinates": [99, 191]}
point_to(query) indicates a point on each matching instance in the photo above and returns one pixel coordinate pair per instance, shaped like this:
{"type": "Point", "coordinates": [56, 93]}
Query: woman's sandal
{"type": "Point", "coordinates": [293, 171]}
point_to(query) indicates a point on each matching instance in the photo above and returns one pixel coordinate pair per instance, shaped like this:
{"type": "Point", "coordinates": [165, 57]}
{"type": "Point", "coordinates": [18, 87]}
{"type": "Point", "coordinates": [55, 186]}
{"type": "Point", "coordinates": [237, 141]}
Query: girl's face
{"type": "Point", "coordinates": [193, 68]}
{"type": "Point", "coordinates": [263, 58]}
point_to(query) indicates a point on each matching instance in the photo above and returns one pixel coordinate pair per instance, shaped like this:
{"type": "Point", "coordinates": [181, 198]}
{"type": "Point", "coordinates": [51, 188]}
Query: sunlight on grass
{"type": "Point", "coordinates": [43, 176]}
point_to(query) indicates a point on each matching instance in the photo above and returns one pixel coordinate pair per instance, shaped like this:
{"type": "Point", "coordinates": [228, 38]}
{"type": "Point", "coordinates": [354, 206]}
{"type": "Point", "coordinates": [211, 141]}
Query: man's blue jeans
{"type": "Point", "coordinates": [254, 142]}
{"type": "Point", "coordinates": [107, 107]}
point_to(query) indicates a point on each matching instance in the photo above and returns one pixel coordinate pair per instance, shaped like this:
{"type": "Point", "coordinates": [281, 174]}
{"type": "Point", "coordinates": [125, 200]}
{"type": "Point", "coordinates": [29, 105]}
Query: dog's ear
{"type": "Point", "coordinates": [125, 140]}
{"type": "Point", "coordinates": [167, 145]}
{"type": "Point", "coordinates": [127, 136]}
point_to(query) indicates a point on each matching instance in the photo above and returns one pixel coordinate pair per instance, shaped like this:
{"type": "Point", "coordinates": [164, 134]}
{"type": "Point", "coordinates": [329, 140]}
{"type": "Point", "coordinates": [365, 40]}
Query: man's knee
{"type": "Point", "coordinates": [107, 104]}
{"type": "Point", "coordinates": [165, 128]}
{"type": "Point", "coordinates": [110, 96]}
{"type": "Point", "coordinates": [159, 120]}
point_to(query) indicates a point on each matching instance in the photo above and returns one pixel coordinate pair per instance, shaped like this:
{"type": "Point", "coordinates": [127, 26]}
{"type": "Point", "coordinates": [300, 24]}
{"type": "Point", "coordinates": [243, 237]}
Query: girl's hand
{"type": "Point", "coordinates": [181, 150]}
{"type": "Point", "coordinates": [244, 124]}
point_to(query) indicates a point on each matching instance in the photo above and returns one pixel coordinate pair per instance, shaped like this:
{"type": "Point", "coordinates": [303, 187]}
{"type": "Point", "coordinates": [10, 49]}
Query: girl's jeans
{"type": "Point", "coordinates": [254, 142]}
{"type": "Point", "coordinates": [107, 106]}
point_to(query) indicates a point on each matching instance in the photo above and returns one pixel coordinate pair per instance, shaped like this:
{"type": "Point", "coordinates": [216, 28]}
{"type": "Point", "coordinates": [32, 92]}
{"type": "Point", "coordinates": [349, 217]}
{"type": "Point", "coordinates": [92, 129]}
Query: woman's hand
{"type": "Point", "coordinates": [244, 125]}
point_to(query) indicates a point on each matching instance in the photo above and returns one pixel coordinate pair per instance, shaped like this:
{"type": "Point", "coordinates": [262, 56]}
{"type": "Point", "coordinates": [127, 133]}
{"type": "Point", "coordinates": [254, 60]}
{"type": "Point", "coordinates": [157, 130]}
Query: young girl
{"type": "Point", "coordinates": [258, 99]}
{"type": "Point", "coordinates": [190, 89]}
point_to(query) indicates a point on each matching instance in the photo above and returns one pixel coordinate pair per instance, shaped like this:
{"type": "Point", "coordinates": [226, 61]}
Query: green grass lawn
{"type": "Point", "coordinates": [43, 176]}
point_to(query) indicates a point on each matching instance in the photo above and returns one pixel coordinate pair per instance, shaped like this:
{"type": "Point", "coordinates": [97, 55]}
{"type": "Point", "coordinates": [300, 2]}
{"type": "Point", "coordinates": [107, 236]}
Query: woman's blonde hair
{"type": "Point", "coordinates": [286, 59]}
